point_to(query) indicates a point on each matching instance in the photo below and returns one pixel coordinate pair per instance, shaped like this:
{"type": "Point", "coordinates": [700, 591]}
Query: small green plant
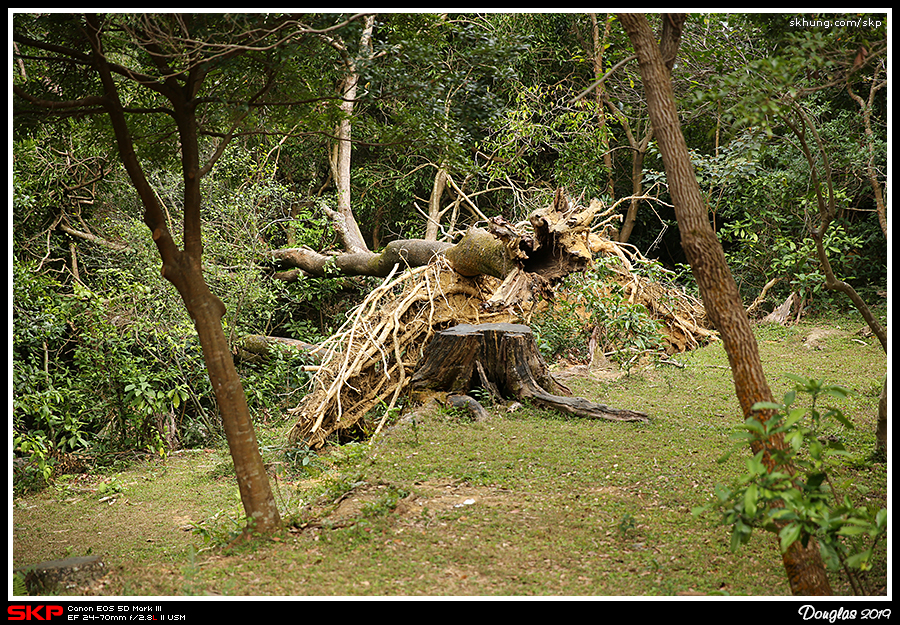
{"type": "Point", "coordinates": [483, 396]}
{"type": "Point", "coordinates": [218, 531]}
{"type": "Point", "coordinates": [110, 487]}
{"type": "Point", "coordinates": [36, 447]}
{"type": "Point", "coordinates": [597, 307]}
{"type": "Point", "coordinates": [626, 524]}
{"type": "Point", "coordinates": [302, 459]}
{"type": "Point", "coordinates": [386, 503]}
{"type": "Point", "coordinates": [191, 572]}
{"type": "Point", "coordinates": [794, 496]}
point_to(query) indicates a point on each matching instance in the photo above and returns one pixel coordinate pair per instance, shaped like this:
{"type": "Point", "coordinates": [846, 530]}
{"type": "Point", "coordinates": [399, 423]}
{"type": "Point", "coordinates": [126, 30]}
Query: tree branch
{"type": "Point", "coordinates": [602, 79]}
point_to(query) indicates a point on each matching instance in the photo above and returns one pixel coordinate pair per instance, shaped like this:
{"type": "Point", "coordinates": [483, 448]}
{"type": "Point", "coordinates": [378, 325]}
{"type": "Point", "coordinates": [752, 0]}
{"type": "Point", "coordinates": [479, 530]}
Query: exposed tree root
{"type": "Point", "coordinates": [365, 368]}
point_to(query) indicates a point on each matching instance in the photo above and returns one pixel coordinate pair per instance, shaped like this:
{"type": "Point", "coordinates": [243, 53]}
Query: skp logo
{"type": "Point", "coordinates": [33, 612]}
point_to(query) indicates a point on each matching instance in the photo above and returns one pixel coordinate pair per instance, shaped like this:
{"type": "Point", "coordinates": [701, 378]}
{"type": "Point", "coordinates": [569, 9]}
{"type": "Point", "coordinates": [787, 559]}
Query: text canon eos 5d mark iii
{"type": "Point", "coordinates": [33, 612]}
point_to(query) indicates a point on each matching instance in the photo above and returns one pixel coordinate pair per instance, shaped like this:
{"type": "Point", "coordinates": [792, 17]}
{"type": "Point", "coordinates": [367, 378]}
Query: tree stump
{"type": "Point", "coordinates": [59, 575]}
{"type": "Point", "coordinates": [502, 360]}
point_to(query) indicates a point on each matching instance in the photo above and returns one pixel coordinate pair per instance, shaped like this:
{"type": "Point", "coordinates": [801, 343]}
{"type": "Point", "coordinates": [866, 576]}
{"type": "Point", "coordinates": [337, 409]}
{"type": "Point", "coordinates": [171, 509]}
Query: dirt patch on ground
{"type": "Point", "coordinates": [428, 500]}
{"type": "Point", "coordinates": [817, 337]}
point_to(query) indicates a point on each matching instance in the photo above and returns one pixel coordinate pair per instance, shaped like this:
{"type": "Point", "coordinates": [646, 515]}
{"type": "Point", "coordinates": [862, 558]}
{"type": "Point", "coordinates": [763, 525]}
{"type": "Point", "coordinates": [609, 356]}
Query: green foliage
{"type": "Point", "coordinates": [386, 503]}
{"type": "Point", "coordinates": [795, 497]}
{"type": "Point", "coordinates": [89, 376]}
{"type": "Point", "coordinates": [593, 303]}
{"type": "Point", "coordinates": [277, 383]}
{"type": "Point", "coordinates": [302, 459]}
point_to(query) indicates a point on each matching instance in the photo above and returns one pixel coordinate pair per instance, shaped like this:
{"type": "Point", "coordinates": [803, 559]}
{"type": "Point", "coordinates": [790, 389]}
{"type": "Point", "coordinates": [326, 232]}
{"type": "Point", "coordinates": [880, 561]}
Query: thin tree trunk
{"type": "Point", "coordinates": [865, 107]}
{"type": "Point", "coordinates": [827, 211]}
{"type": "Point", "coordinates": [346, 224]}
{"type": "Point", "coordinates": [183, 269]}
{"type": "Point", "coordinates": [638, 152]}
{"type": "Point", "coordinates": [601, 98]}
{"type": "Point", "coordinates": [637, 185]}
{"type": "Point", "coordinates": [804, 567]}
{"type": "Point", "coordinates": [881, 437]}
{"type": "Point", "coordinates": [432, 228]}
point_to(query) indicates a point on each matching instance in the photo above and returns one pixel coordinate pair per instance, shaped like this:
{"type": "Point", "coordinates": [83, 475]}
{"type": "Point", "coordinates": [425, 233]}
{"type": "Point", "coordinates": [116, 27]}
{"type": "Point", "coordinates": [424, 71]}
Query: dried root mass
{"type": "Point", "coordinates": [366, 367]}
{"type": "Point", "coordinates": [367, 364]}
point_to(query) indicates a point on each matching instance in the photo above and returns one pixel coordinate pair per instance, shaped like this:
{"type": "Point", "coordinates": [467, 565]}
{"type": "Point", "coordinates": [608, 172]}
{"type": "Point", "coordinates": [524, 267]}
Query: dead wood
{"type": "Point", "coordinates": [751, 309]}
{"type": "Point", "coordinates": [368, 361]}
{"type": "Point", "coordinates": [500, 359]}
{"type": "Point", "coordinates": [257, 348]}
{"type": "Point", "coordinates": [478, 252]}
{"type": "Point", "coordinates": [782, 314]}
{"type": "Point", "coordinates": [557, 247]}
{"type": "Point", "coordinates": [407, 252]}
{"type": "Point", "coordinates": [366, 367]}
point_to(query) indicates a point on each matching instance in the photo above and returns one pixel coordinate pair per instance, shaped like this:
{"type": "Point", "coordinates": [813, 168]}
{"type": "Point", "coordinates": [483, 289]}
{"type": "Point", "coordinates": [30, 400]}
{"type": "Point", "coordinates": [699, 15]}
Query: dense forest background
{"type": "Point", "coordinates": [454, 118]}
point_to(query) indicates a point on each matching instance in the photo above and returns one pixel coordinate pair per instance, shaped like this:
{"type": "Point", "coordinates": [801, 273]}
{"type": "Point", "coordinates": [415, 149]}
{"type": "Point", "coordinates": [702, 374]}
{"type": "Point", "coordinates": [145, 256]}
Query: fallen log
{"type": "Point", "coordinates": [502, 360]}
{"type": "Point", "coordinates": [367, 365]}
{"type": "Point", "coordinates": [557, 247]}
{"type": "Point", "coordinates": [257, 348]}
{"type": "Point", "coordinates": [478, 252]}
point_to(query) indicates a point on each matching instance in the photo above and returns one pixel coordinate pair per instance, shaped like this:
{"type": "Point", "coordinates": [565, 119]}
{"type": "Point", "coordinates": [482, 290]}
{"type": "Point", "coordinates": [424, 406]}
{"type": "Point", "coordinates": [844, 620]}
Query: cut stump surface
{"type": "Point", "coordinates": [502, 360]}
{"type": "Point", "coordinates": [58, 575]}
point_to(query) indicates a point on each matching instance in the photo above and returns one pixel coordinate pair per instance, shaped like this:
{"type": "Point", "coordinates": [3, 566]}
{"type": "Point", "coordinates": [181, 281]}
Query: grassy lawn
{"type": "Point", "coordinates": [526, 503]}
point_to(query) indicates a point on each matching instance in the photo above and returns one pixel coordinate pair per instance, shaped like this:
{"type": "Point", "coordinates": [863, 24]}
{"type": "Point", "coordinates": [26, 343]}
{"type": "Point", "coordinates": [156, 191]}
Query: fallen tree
{"type": "Point", "coordinates": [498, 274]}
{"type": "Point", "coordinates": [557, 246]}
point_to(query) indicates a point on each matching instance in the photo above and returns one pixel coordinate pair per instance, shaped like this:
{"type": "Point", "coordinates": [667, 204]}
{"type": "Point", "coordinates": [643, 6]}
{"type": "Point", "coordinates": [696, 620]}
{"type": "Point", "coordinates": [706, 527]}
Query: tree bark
{"type": "Point", "coordinates": [432, 227]}
{"type": "Point", "coordinates": [600, 96]}
{"type": "Point", "coordinates": [803, 565]}
{"type": "Point", "coordinates": [638, 153]}
{"type": "Point", "coordinates": [345, 222]}
{"type": "Point", "coordinates": [558, 247]}
{"type": "Point", "coordinates": [865, 107]}
{"type": "Point", "coordinates": [502, 360]}
{"type": "Point", "coordinates": [478, 252]}
{"type": "Point", "coordinates": [881, 437]}
{"type": "Point", "coordinates": [183, 269]}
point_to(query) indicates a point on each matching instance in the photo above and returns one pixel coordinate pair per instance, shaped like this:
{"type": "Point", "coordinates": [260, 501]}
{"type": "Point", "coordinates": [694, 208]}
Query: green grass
{"type": "Point", "coordinates": [526, 503]}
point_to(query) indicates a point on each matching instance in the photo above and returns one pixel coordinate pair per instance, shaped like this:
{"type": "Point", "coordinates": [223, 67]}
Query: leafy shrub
{"type": "Point", "coordinates": [802, 503]}
{"type": "Point", "coordinates": [277, 382]}
{"type": "Point", "coordinates": [590, 305]}
{"type": "Point", "coordinates": [88, 376]}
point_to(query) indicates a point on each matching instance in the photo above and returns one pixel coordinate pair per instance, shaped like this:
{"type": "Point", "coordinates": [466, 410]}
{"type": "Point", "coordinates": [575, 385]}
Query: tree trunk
{"type": "Point", "coordinates": [345, 222]}
{"type": "Point", "coordinates": [558, 248]}
{"type": "Point", "coordinates": [639, 151]}
{"type": "Point", "coordinates": [184, 270]}
{"type": "Point", "coordinates": [600, 98]}
{"type": "Point", "coordinates": [804, 567]}
{"type": "Point", "coordinates": [478, 252]}
{"type": "Point", "coordinates": [432, 228]}
{"type": "Point", "coordinates": [881, 437]}
{"type": "Point", "coordinates": [502, 360]}
{"type": "Point", "coordinates": [865, 107]}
